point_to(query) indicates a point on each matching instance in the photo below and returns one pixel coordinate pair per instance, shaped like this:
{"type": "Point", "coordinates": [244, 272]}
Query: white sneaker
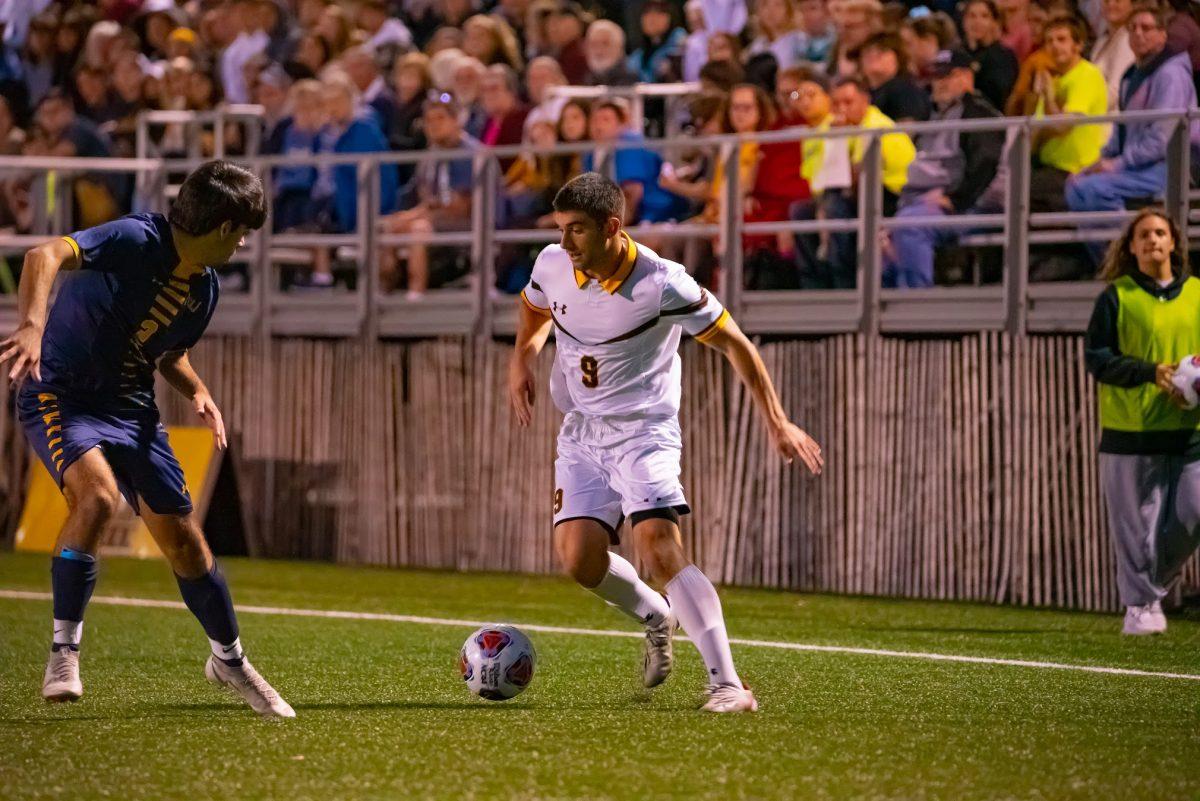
{"type": "Point", "coordinates": [1148, 619]}
{"type": "Point", "coordinates": [659, 652]}
{"type": "Point", "coordinates": [244, 680]}
{"type": "Point", "coordinates": [729, 698]}
{"type": "Point", "coordinates": [61, 682]}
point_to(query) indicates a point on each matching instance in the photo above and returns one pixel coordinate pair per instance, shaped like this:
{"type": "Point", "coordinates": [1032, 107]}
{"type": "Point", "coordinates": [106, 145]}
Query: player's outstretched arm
{"type": "Point", "coordinates": [790, 440]}
{"type": "Point", "coordinates": [24, 346]}
{"type": "Point", "coordinates": [533, 328]}
{"type": "Point", "coordinates": [177, 369]}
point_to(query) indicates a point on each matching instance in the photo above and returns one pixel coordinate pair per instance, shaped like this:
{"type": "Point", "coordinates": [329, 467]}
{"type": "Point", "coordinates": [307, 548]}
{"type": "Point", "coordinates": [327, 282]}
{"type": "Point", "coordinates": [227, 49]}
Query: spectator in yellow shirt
{"type": "Point", "coordinates": [1072, 86]}
{"type": "Point", "coordinates": [852, 109]}
{"type": "Point", "coordinates": [833, 170]}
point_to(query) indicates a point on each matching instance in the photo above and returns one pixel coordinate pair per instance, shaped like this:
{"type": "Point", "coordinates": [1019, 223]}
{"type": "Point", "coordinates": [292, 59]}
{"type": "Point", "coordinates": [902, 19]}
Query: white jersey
{"type": "Point", "coordinates": [617, 341]}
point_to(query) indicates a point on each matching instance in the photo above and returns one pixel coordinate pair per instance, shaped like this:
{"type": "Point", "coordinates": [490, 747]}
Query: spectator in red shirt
{"type": "Point", "coordinates": [505, 112]}
{"type": "Point", "coordinates": [1183, 31]}
{"type": "Point", "coordinates": [565, 31]}
{"type": "Point", "coordinates": [774, 180]}
{"type": "Point", "coordinates": [787, 96]}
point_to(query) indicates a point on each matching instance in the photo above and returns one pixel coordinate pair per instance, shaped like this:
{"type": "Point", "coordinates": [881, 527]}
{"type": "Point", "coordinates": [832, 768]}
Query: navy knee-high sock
{"type": "Point", "coordinates": [72, 577]}
{"type": "Point", "coordinates": [208, 599]}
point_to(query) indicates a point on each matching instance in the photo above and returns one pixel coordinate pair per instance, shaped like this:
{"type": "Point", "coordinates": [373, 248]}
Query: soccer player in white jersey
{"type": "Point", "coordinates": [618, 310]}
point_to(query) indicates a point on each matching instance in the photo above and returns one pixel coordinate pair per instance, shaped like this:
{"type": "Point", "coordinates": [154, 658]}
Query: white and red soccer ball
{"type": "Point", "coordinates": [1187, 380]}
{"type": "Point", "coordinates": [497, 662]}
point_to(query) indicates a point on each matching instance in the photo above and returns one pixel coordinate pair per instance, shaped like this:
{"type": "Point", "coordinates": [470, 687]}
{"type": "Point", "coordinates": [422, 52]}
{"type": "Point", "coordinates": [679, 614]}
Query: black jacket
{"type": "Point", "coordinates": [982, 150]}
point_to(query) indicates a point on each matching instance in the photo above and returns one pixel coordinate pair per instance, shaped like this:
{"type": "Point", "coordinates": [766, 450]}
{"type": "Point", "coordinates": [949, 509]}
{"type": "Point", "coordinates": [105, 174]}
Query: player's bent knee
{"type": "Point", "coordinates": [96, 502]}
{"type": "Point", "coordinates": [182, 543]}
{"type": "Point", "coordinates": [582, 548]}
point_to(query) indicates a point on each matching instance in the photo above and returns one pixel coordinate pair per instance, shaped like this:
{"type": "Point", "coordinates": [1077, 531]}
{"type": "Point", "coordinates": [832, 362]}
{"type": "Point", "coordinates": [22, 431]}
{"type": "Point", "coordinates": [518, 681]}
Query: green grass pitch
{"type": "Point", "coordinates": [382, 713]}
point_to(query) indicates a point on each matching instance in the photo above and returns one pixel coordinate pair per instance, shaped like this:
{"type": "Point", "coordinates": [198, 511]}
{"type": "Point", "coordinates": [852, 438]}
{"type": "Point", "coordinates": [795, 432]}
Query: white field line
{"type": "Point", "coordinates": [786, 646]}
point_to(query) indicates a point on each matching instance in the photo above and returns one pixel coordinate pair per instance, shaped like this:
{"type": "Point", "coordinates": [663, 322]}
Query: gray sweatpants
{"type": "Point", "coordinates": [1154, 514]}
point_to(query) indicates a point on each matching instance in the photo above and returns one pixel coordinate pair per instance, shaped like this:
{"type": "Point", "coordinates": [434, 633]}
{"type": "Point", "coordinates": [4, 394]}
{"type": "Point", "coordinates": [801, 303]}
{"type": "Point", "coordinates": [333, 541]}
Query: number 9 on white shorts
{"type": "Point", "coordinates": [608, 469]}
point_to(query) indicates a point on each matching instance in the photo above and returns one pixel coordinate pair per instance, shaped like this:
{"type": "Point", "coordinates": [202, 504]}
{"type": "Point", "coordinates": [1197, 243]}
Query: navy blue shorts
{"type": "Point", "coordinates": [134, 443]}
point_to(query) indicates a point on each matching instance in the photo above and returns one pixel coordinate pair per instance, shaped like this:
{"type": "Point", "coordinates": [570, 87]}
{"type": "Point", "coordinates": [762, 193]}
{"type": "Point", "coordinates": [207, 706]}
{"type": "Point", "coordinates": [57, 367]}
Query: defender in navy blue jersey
{"type": "Point", "coordinates": [136, 295]}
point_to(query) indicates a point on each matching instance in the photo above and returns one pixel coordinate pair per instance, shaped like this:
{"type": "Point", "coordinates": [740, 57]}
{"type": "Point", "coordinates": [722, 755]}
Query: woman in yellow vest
{"type": "Point", "coordinates": [1144, 323]}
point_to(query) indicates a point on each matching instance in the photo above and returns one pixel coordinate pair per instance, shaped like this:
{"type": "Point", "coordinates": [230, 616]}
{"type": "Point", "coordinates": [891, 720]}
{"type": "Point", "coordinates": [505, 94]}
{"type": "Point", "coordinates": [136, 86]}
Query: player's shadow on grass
{"type": "Point", "coordinates": [360, 706]}
{"type": "Point", "coordinates": [954, 630]}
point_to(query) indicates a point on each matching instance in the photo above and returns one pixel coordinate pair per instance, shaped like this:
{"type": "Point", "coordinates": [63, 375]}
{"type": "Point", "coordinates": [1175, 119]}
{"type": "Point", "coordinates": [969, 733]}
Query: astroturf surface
{"type": "Point", "coordinates": [382, 712]}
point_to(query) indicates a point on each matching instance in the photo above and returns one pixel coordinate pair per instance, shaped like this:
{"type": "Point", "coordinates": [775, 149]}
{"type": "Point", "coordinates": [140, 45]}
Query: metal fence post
{"type": "Point", "coordinates": [483, 249]}
{"type": "Point", "coordinates": [141, 150]}
{"type": "Point", "coordinates": [1179, 172]}
{"type": "Point", "coordinates": [1016, 231]}
{"type": "Point", "coordinates": [262, 273]}
{"type": "Point", "coordinates": [870, 210]}
{"type": "Point", "coordinates": [369, 176]}
{"type": "Point", "coordinates": [731, 228]}
{"type": "Point", "coordinates": [219, 135]}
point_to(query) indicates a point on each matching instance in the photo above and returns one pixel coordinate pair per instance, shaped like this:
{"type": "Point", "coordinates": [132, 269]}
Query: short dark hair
{"type": "Point", "coordinates": [617, 105]}
{"type": "Point", "coordinates": [993, 10]}
{"type": "Point", "coordinates": [1161, 13]}
{"type": "Point", "coordinates": [856, 81]}
{"type": "Point", "coordinates": [724, 74]}
{"type": "Point", "coordinates": [1073, 24]}
{"type": "Point", "coordinates": [890, 42]}
{"type": "Point", "coordinates": [219, 192]}
{"type": "Point", "coordinates": [592, 194]}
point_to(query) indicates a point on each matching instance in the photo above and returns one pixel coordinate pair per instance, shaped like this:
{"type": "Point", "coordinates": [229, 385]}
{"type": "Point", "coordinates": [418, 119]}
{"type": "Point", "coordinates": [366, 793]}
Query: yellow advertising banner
{"type": "Point", "coordinates": [45, 509]}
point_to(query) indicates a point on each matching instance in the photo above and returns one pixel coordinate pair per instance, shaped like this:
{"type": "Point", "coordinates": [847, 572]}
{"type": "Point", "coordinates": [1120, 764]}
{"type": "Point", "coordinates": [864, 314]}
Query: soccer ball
{"type": "Point", "coordinates": [1187, 380]}
{"type": "Point", "coordinates": [497, 662]}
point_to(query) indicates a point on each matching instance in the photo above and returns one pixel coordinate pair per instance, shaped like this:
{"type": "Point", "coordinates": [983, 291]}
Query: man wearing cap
{"type": "Point", "coordinates": [948, 175]}
{"type": "Point", "coordinates": [181, 43]}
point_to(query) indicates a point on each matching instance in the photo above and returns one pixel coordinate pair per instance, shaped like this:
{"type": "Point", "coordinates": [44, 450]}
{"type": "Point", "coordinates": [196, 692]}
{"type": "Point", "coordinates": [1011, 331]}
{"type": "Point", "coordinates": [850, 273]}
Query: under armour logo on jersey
{"type": "Point", "coordinates": [559, 308]}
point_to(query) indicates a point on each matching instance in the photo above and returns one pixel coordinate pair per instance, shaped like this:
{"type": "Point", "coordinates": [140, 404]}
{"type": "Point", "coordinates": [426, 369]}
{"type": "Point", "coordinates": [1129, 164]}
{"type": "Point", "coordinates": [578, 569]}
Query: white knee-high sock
{"type": "Point", "coordinates": [694, 601]}
{"type": "Point", "coordinates": [621, 587]}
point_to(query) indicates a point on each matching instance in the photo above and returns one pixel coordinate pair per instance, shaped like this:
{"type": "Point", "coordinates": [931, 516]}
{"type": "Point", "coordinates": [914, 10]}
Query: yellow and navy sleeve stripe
{"type": "Point", "coordinates": [533, 305]}
{"type": "Point", "coordinates": [714, 327]}
{"type": "Point", "coordinates": [75, 247]}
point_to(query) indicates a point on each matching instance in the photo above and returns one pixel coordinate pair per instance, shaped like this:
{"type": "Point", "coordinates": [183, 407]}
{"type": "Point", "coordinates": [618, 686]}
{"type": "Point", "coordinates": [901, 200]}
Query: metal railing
{"type": "Point", "coordinates": [672, 94]}
{"type": "Point", "coordinates": [1014, 305]}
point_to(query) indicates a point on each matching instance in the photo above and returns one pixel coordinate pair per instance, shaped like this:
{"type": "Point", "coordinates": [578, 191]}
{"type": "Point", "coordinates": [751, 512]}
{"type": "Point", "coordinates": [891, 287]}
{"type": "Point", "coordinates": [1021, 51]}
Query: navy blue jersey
{"type": "Point", "coordinates": [129, 303]}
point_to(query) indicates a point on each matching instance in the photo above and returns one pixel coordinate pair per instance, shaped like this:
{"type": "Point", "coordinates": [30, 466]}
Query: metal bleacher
{"type": "Point", "coordinates": [473, 306]}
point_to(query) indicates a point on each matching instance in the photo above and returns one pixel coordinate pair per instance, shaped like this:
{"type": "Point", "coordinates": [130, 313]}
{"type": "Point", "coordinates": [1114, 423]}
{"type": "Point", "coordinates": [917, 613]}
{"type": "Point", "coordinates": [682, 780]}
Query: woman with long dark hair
{"type": "Point", "coordinates": [1144, 323]}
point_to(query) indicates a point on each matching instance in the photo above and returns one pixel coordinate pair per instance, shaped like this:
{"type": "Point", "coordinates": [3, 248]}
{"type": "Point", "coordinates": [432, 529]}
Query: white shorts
{"type": "Point", "coordinates": [610, 468]}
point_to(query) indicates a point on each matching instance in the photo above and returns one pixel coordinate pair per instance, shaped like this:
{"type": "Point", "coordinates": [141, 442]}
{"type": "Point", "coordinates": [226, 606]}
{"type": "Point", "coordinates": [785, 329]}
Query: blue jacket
{"type": "Point", "coordinates": [363, 135]}
{"type": "Point", "coordinates": [1164, 83]}
{"type": "Point", "coordinates": [652, 62]}
{"type": "Point", "coordinates": [641, 166]}
{"type": "Point", "coordinates": [296, 142]}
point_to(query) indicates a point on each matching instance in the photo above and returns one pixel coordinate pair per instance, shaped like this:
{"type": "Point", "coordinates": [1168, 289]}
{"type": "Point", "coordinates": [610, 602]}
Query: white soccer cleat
{"type": "Point", "coordinates": [61, 682]}
{"type": "Point", "coordinates": [244, 680]}
{"type": "Point", "coordinates": [729, 698]}
{"type": "Point", "coordinates": [1142, 620]}
{"type": "Point", "coordinates": [659, 652]}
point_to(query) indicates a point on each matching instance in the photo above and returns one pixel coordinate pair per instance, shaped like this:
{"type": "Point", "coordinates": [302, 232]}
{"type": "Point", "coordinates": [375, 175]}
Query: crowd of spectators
{"type": "Point", "coordinates": [369, 76]}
